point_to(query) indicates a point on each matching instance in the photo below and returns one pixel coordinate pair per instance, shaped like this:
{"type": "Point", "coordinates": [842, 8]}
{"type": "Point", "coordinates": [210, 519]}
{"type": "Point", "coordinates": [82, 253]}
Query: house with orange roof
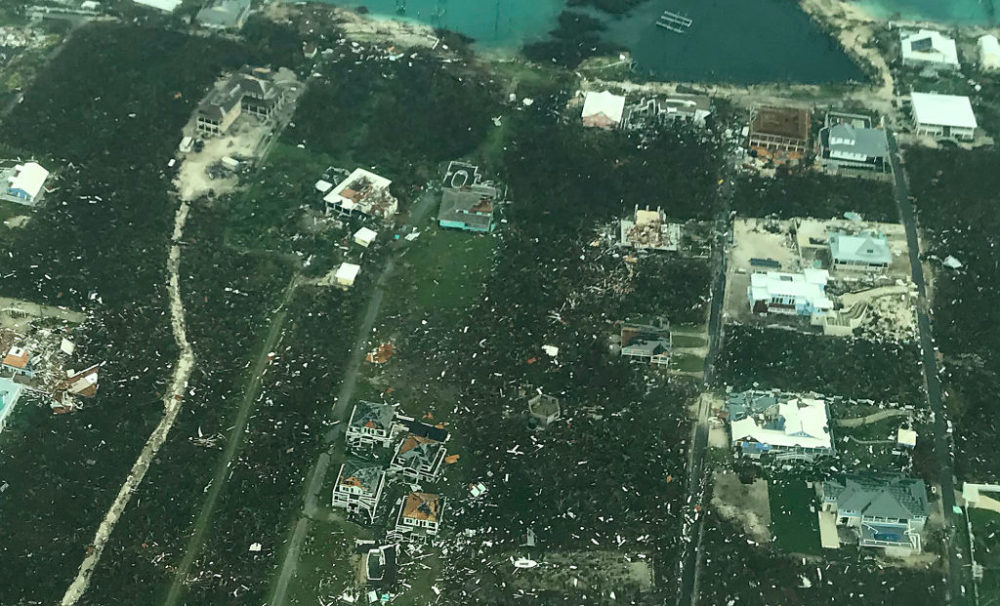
{"type": "Point", "coordinates": [359, 488]}
{"type": "Point", "coordinates": [419, 514]}
{"type": "Point", "coordinates": [18, 360]}
{"type": "Point", "coordinates": [418, 458]}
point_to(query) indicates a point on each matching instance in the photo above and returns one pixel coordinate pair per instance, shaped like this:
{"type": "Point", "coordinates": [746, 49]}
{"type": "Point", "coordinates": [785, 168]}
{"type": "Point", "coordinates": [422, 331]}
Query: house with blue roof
{"type": "Point", "coordinates": [867, 251]}
{"type": "Point", "coordinates": [885, 511]}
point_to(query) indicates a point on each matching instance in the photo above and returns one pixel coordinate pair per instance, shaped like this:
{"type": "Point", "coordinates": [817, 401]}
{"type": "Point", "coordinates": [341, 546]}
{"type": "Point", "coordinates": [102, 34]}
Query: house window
{"type": "Point", "coordinates": [843, 520]}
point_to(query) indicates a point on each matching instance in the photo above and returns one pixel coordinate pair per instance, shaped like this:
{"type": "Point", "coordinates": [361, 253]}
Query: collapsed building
{"type": "Point", "coordinates": [649, 230]}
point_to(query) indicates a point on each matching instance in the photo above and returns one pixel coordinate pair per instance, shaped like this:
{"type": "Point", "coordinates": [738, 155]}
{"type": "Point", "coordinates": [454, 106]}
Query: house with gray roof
{"type": "Point", "coordinates": [469, 208]}
{"type": "Point", "coordinates": [224, 14]}
{"type": "Point", "coordinates": [418, 459]}
{"type": "Point", "coordinates": [647, 342]}
{"type": "Point", "coordinates": [372, 424]}
{"type": "Point", "coordinates": [865, 251]}
{"type": "Point", "coordinates": [359, 487]}
{"type": "Point", "coordinates": [885, 511]}
{"type": "Point", "coordinates": [846, 145]}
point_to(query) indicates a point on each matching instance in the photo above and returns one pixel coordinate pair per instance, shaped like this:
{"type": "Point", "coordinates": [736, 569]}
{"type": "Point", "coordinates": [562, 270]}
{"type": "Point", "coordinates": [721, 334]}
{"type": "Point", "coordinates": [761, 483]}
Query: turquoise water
{"type": "Point", "coordinates": [740, 41]}
{"type": "Point", "coordinates": [965, 12]}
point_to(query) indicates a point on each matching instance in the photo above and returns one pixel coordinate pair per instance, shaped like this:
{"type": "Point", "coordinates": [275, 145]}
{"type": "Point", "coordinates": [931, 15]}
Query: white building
{"type": "Point", "coordinates": [418, 458]}
{"type": "Point", "coordinates": [362, 192]}
{"type": "Point", "coordinates": [797, 294]}
{"type": "Point", "coordinates": [371, 424]}
{"type": "Point", "coordinates": [346, 274]}
{"type": "Point", "coordinates": [989, 52]}
{"type": "Point", "coordinates": [603, 110]}
{"type": "Point", "coordinates": [365, 237]}
{"type": "Point", "coordinates": [785, 428]}
{"type": "Point", "coordinates": [166, 6]}
{"type": "Point", "coordinates": [359, 487]}
{"type": "Point", "coordinates": [929, 48]}
{"type": "Point", "coordinates": [24, 183]}
{"type": "Point", "coordinates": [419, 514]}
{"type": "Point", "coordinates": [943, 116]}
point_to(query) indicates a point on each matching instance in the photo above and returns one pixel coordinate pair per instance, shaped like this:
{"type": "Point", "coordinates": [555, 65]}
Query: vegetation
{"type": "Point", "coordinates": [99, 244]}
{"type": "Point", "coordinates": [577, 37]}
{"type": "Point", "coordinates": [809, 194]}
{"type": "Point", "coordinates": [956, 201]}
{"type": "Point", "coordinates": [793, 361]}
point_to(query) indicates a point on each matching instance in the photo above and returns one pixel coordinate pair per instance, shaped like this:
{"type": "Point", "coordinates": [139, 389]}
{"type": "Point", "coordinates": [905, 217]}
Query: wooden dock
{"type": "Point", "coordinates": [674, 22]}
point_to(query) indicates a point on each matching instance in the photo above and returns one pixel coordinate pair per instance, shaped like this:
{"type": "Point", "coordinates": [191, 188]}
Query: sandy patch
{"type": "Point", "coordinates": [747, 504]}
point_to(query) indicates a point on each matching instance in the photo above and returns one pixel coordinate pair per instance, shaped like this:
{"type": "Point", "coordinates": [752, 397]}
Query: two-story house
{"type": "Point", "coordinates": [359, 487]}
{"type": "Point", "coordinates": [887, 511]}
{"type": "Point", "coordinates": [371, 424]}
{"type": "Point", "coordinates": [418, 458]}
{"type": "Point", "coordinates": [419, 515]}
{"type": "Point", "coordinates": [780, 426]}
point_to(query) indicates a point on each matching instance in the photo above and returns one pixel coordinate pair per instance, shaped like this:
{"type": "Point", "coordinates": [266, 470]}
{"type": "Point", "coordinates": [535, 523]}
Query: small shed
{"type": "Point", "coordinates": [346, 274]}
{"type": "Point", "coordinates": [906, 437]}
{"type": "Point", "coordinates": [365, 236]}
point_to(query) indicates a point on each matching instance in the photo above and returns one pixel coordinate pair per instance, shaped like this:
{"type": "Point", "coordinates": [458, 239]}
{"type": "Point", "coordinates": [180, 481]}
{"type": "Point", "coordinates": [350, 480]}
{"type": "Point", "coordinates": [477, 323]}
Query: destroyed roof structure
{"type": "Point", "coordinates": [797, 294]}
{"type": "Point", "coordinates": [371, 424]}
{"type": "Point", "coordinates": [419, 514]}
{"type": "Point", "coordinates": [779, 128]}
{"type": "Point", "coordinates": [469, 208]}
{"type": "Point", "coordinates": [362, 192]}
{"type": "Point", "coordinates": [224, 14]}
{"type": "Point", "coordinates": [602, 110]}
{"type": "Point", "coordinates": [417, 428]}
{"type": "Point", "coordinates": [865, 251]}
{"type": "Point", "coordinates": [886, 511]}
{"type": "Point", "coordinates": [18, 361]}
{"type": "Point", "coordinates": [647, 342]}
{"type": "Point", "coordinates": [83, 383]}
{"type": "Point", "coordinates": [928, 48]}
{"type": "Point", "coordinates": [359, 487]}
{"type": "Point", "coordinates": [696, 108]}
{"type": "Point", "coordinates": [418, 458]}
{"type": "Point", "coordinates": [544, 409]}
{"type": "Point", "coordinates": [649, 230]}
{"type": "Point", "coordinates": [782, 426]}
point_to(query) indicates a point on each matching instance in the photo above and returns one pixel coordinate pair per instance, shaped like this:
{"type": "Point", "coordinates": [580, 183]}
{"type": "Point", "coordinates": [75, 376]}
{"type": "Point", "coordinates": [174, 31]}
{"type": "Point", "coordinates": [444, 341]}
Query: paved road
{"type": "Point", "coordinates": [690, 562]}
{"type": "Point", "coordinates": [931, 381]}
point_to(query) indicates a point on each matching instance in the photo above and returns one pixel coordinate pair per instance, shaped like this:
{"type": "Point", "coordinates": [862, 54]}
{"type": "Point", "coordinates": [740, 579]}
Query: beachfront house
{"type": "Point", "coordinates": [603, 110]}
{"type": "Point", "coordinates": [359, 487]}
{"type": "Point", "coordinates": [885, 511]}
{"type": "Point", "coordinates": [224, 14]}
{"type": "Point", "coordinates": [782, 427]}
{"type": "Point", "coordinates": [802, 294]}
{"type": "Point", "coordinates": [419, 515]}
{"type": "Point", "coordinates": [779, 129]}
{"type": "Point", "coordinates": [928, 48]}
{"type": "Point", "coordinates": [943, 116]}
{"type": "Point", "coordinates": [865, 251]}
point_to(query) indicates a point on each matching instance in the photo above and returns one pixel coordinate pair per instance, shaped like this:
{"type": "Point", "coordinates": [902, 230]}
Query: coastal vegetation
{"type": "Point", "coordinates": [577, 37]}
{"type": "Point", "coordinates": [795, 193]}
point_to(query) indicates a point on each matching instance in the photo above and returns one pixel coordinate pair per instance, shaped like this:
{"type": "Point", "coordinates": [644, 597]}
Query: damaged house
{"type": "Point", "coordinates": [362, 192]}
{"type": "Point", "coordinates": [419, 515]}
{"type": "Point", "coordinates": [359, 487]}
{"type": "Point", "coordinates": [780, 426]}
{"type": "Point", "coordinates": [885, 511]}
{"type": "Point", "coordinates": [469, 208]}
{"type": "Point", "coordinates": [371, 424]}
{"type": "Point", "coordinates": [418, 458]}
{"type": "Point", "coordinates": [649, 343]}
{"type": "Point", "coordinates": [649, 230]}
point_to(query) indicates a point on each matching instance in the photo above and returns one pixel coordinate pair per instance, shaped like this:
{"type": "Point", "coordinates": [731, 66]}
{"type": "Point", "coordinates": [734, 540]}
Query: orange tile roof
{"type": "Point", "coordinates": [17, 358]}
{"type": "Point", "coordinates": [351, 481]}
{"type": "Point", "coordinates": [412, 442]}
{"type": "Point", "coordinates": [422, 506]}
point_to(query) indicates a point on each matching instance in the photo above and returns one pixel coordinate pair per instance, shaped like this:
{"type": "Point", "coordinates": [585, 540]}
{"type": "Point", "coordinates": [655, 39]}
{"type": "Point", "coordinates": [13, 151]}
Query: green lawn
{"type": "Point", "coordinates": [795, 527]}
{"type": "Point", "coordinates": [687, 341]}
{"type": "Point", "coordinates": [325, 566]}
{"type": "Point", "coordinates": [442, 272]}
{"type": "Point", "coordinates": [986, 530]}
{"type": "Point", "coordinates": [687, 363]}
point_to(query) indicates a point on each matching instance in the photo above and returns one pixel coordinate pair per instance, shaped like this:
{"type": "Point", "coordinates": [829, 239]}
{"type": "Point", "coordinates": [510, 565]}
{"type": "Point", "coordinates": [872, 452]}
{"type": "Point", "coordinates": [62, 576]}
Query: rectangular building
{"type": "Point", "coordinates": [845, 146]}
{"type": "Point", "coordinates": [419, 515]}
{"type": "Point", "coordinates": [800, 294]}
{"type": "Point", "coordinates": [866, 251]}
{"type": "Point", "coordinates": [359, 487]}
{"type": "Point", "coordinates": [418, 459]}
{"type": "Point", "coordinates": [371, 424]}
{"type": "Point", "coordinates": [362, 192]}
{"type": "Point", "coordinates": [928, 48]}
{"type": "Point", "coordinates": [886, 511]}
{"type": "Point", "coordinates": [780, 426]}
{"type": "Point", "coordinates": [24, 183]}
{"type": "Point", "coordinates": [943, 116]}
{"type": "Point", "coordinates": [469, 208]}
{"type": "Point", "coordinates": [779, 129]}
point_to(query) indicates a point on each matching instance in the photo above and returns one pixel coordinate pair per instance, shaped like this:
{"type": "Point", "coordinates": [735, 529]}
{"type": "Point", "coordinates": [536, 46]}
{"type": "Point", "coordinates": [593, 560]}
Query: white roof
{"type": "Point", "coordinates": [374, 181]}
{"type": "Point", "coordinates": [605, 103]}
{"type": "Point", "coordinates": [163, 5]}
{"type": "Point", "coordinates": [805, 425]}
{"type": "Point", "coordinates": [807, 286]}
{"type": "Point", "coordinates": [906, 437]}
{"type": "Point", "coordinates": [989, 51]}
{"type": "Point", "coordinates": [28, 177]}
{"type": "Point", "coordinates": [348, 271]}
{"type": "Point", "coordinates": [365, 235]}
{"type": "Point", "coordinates": [943, 110]}
{"type": "Point", "coordinates": [323, 186]}
{"type": "Point", "coordinates": [376, 198]}
{"type": "Point", "coordinates": [941, 49]}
